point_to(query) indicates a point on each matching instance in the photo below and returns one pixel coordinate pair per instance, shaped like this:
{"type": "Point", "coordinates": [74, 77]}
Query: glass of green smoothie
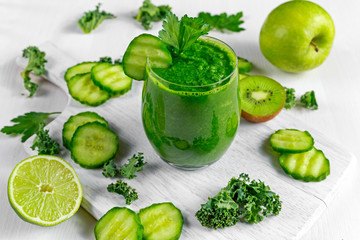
{"type": "Point", "coordinates": [190, 111]}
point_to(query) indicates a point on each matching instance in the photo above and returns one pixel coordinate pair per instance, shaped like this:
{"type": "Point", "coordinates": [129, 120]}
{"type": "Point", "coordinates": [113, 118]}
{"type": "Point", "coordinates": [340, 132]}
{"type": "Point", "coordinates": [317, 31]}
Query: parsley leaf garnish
{"type": "Point", "coordinates": [136, 163]}
{"type": "Point", "coordinates": [92, 19]}
{"type": "Point", "coordinates": [148, 13]}
{"type": "Point", "coordinates": [290, 98]}
{"type": "Point", "coordinates": [36, 65]}
{"type": "Point", "coordinates": [309, 100]}
{"type": "Point", "coordinates": [124, 189]}
{"type": "Point", "coordinates": [27, 124]}
{"type": "Point", "coordinates": [44, 143]}
{"type": "Point", "coordinates": [181, 34]}
{"type": "Point", "coordinates": [109, 169]}
{"type": "Point", "coordinates": [223, 22]}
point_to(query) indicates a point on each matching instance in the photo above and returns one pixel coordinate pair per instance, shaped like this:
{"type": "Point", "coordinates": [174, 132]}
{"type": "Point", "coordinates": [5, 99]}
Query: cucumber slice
{"type": "Point", "coordinates": [119, 224]}
{"type": "Point", "coordinates": [310, 166]}
{"type": "Point", "coordinates": [82, 89]}
{"type": "Point", "coordinates": [139, 49]}
{"type": "Point", "coordinates": [111, 78]}
{"type": "Point", "coordinates": [161, 221]}
{"type": "Point", "coordinates": [291, 141]}
{"type": "Point", "coordinates": [80, 68]}
{"type": "Point", "coordinates": [93, 144]}
{"type": "Point", "coordinates": [244, 66]}
{"type": "Point", "coordinates": [76, 121]}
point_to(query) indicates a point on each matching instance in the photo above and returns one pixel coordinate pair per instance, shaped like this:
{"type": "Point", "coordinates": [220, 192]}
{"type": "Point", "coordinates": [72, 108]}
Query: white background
{"type": "Point", "coordinates": [336, 83]}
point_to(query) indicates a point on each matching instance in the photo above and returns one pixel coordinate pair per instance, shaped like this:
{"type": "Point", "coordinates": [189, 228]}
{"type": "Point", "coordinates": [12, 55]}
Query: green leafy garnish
{"type": "Point", "coordinates": [239, 200]}
{"type": "Point", "coordinates": [109, 169]}
{"type": "Point", "coordinates": [44, 143]}
{"type": "Point", "coordinates": [223, 22]}
{"type": "Point", "coordinates": [148, 13]}
{"type": "Point", "coordinates": [36, 65]}
{"type": "Point", "coordinates": [136, 163]}
{"type": "Point", "coordinates": [27, 124]}
{"type": "Point", "coordinates": [181, 34]}
{"type": "Point", "coordinates": [109, 60]}
{"type": "Point", "coordinates": [92, 19]}
{"type": "Point", "coordinates": [290, 98]}
{"type": "Point", "coordinates": [309, 100]}
{"type": "Point", "coordinates": [124, 189]}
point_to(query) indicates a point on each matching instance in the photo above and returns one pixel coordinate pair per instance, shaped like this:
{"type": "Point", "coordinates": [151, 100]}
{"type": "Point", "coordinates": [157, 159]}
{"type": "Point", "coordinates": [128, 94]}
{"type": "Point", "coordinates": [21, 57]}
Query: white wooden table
{"type": "Point", "coordinates": [336, 83]}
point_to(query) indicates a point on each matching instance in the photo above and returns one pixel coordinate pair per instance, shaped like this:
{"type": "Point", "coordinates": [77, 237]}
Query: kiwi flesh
{"type": "Point", "coordinates": [262, 98]}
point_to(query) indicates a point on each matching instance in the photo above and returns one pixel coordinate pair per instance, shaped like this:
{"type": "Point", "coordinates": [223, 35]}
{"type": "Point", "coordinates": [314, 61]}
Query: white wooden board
{"type": "Point", "coordinates": [303, 202]}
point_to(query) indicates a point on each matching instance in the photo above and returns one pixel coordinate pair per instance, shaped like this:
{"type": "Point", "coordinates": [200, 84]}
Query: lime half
{"type": "Point", "coordinates": [44, 190]}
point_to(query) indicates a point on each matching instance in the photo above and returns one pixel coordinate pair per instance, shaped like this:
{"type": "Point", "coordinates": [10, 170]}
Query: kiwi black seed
{"type": "Point", "coordinates": [262, 98]}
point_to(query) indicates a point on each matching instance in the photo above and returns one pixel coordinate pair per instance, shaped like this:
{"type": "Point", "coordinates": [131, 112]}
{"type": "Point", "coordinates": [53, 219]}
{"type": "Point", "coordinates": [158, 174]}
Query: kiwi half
{"type": "Point", "coordinates": [262, 98]}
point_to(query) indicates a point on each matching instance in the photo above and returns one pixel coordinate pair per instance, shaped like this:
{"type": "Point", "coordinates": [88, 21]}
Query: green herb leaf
{"type": "Point", "coordinates": [27, 124]}
{"type": "Point", "coordinates": [124, 189]}
{"type": "Point", "coordinates": [36, 65]}
{"type": "Point", "coordinates": [92, 19]}
{"type": "Point", "coordinates": [309, 100]}
{"type": "Point", "coordinates": [181, 34]}
{"type": "Point", "coordinates": [290, 98]}
{"type": "Point", "coordinates": [136, 163]}
{"type": "Point", "coordinates": [109, 169]}
{"type": "Point", "coordinates": [44, 143]}
{"type": "Point", "coordinates": [148, 13]}
{"type": "Point", "coordinates": [223, 22]}
{"type": "Point", "coordinates": [109, 60]}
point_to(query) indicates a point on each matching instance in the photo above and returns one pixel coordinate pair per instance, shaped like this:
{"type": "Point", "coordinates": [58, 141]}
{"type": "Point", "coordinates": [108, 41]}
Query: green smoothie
{"type": "Point", "coordinates": [191, 110]}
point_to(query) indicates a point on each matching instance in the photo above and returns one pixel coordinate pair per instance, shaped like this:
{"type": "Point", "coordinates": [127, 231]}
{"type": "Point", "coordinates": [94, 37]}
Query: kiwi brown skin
{"type": "Point", "coordinates": [280, 91]}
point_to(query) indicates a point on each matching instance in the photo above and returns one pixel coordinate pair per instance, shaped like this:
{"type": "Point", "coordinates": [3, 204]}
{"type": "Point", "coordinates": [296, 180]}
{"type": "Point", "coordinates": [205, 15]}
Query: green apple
{"type": "Point", "coordinates": [297, 36]}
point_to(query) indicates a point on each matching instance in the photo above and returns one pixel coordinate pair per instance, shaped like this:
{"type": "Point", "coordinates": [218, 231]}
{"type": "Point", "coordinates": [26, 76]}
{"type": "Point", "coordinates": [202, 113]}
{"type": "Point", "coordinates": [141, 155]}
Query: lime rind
{"type": "Point", "coordinates": [19, 209]}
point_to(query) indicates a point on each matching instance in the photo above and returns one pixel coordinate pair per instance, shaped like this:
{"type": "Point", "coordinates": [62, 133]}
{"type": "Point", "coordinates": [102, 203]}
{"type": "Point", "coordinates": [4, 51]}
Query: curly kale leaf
{"type": "Point", "coordinates": [44, 143]}
{"type": "Point", "coordinates": [219, 212]}
{"type": "Point", "coordinates": [148, 13]}
{"type": "Point", "coordinates": [109, 169]}
{"type": "Point", "coordinates": [136, 163]}
{"type": "Point", "coordinates": [124, 189]}
{"type": "Point", "coordinates": [290, 98]}
{"type": "Point", "coordinates": [223, 22]}
{"type": "Point", "coordinates": [27, 124]}
{"type": "Point", "coordinates": [309, 100]}
{"type": "Point", "coordinates": [36, 65]}
{"type": "Point", "coordinates": [180, 34]}
{"type": "Point", "coordinates": [92, 19]}
{"type": "Point", "coordinates": [109, 60]}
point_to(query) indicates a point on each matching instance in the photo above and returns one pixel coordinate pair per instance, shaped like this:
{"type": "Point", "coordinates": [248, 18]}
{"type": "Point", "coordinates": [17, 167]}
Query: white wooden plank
{"type": "Point", "coordinates": [250, 153]}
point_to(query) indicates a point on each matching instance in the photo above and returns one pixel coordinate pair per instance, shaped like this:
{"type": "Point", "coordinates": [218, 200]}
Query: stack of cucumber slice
{"type": "Point", "coordinates": [159, 221]}
{"type": "Point", "coordinates": [89, 139]}
{"type": "Point", "coordinates": [93, 83]}
{"type": "Point", "coordinates": [298, 156]}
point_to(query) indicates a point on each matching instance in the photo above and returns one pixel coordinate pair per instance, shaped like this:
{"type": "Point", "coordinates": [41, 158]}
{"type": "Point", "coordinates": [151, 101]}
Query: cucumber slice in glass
{"type": "Point", "coordinates": [143, 47]}
{"type": "Point", "coordinates": [93, 144]}
{"type": "Point", "coordinates": [161, 221]}
{"type": "Point", "coordinates": [111, 78]}
{"type": "Point", "coordinates": [80, 68]}
{"type": "Point", "coordinates": [310, 166]}
{"type": "Point", "coordinates": [76, 121]}
{"type": "Point", "coordinates": [82, 89]}
{"type": "Point", "coordinates": [291, 141]}
{"type": "Point", "coordinates": [119, 224]}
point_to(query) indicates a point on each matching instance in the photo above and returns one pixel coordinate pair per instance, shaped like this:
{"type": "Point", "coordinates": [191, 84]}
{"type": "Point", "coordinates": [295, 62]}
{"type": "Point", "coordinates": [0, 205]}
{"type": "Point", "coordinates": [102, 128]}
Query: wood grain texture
{"type": "Point", "coordinates": [250, 153]}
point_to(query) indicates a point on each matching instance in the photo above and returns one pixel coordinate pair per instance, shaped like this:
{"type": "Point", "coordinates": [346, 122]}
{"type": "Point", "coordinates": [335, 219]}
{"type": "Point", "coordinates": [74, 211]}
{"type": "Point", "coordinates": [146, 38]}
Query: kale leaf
{"type": "Point", "coordinates": [124, 189]}
{"type": "Point", "coordinates": [136, 163]}
{"type": "Point", "coordinates": [44, 143]}
{"type": "Point", "coordinates": [148, 13]}
{"type": "Point", "coordinates": [290, 98]}
{"type": "Point", "coordinates": [309, 100]}
{"type": "Point", "coordinates": [36, 65]}
{"type": "Point", "coordinates": [109, 169]}
{"type": "Point", "coordinates": [109, 60]}
{"type": "Point", "coordinates": [223, 22]}
{"type": "Point", "coordinates": [92, 19]}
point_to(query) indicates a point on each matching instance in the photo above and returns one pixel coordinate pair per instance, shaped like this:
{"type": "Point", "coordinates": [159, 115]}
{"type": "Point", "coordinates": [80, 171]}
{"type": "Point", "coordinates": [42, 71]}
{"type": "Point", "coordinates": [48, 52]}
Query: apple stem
{"type": "Point", "coordinates": [316, 46]}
